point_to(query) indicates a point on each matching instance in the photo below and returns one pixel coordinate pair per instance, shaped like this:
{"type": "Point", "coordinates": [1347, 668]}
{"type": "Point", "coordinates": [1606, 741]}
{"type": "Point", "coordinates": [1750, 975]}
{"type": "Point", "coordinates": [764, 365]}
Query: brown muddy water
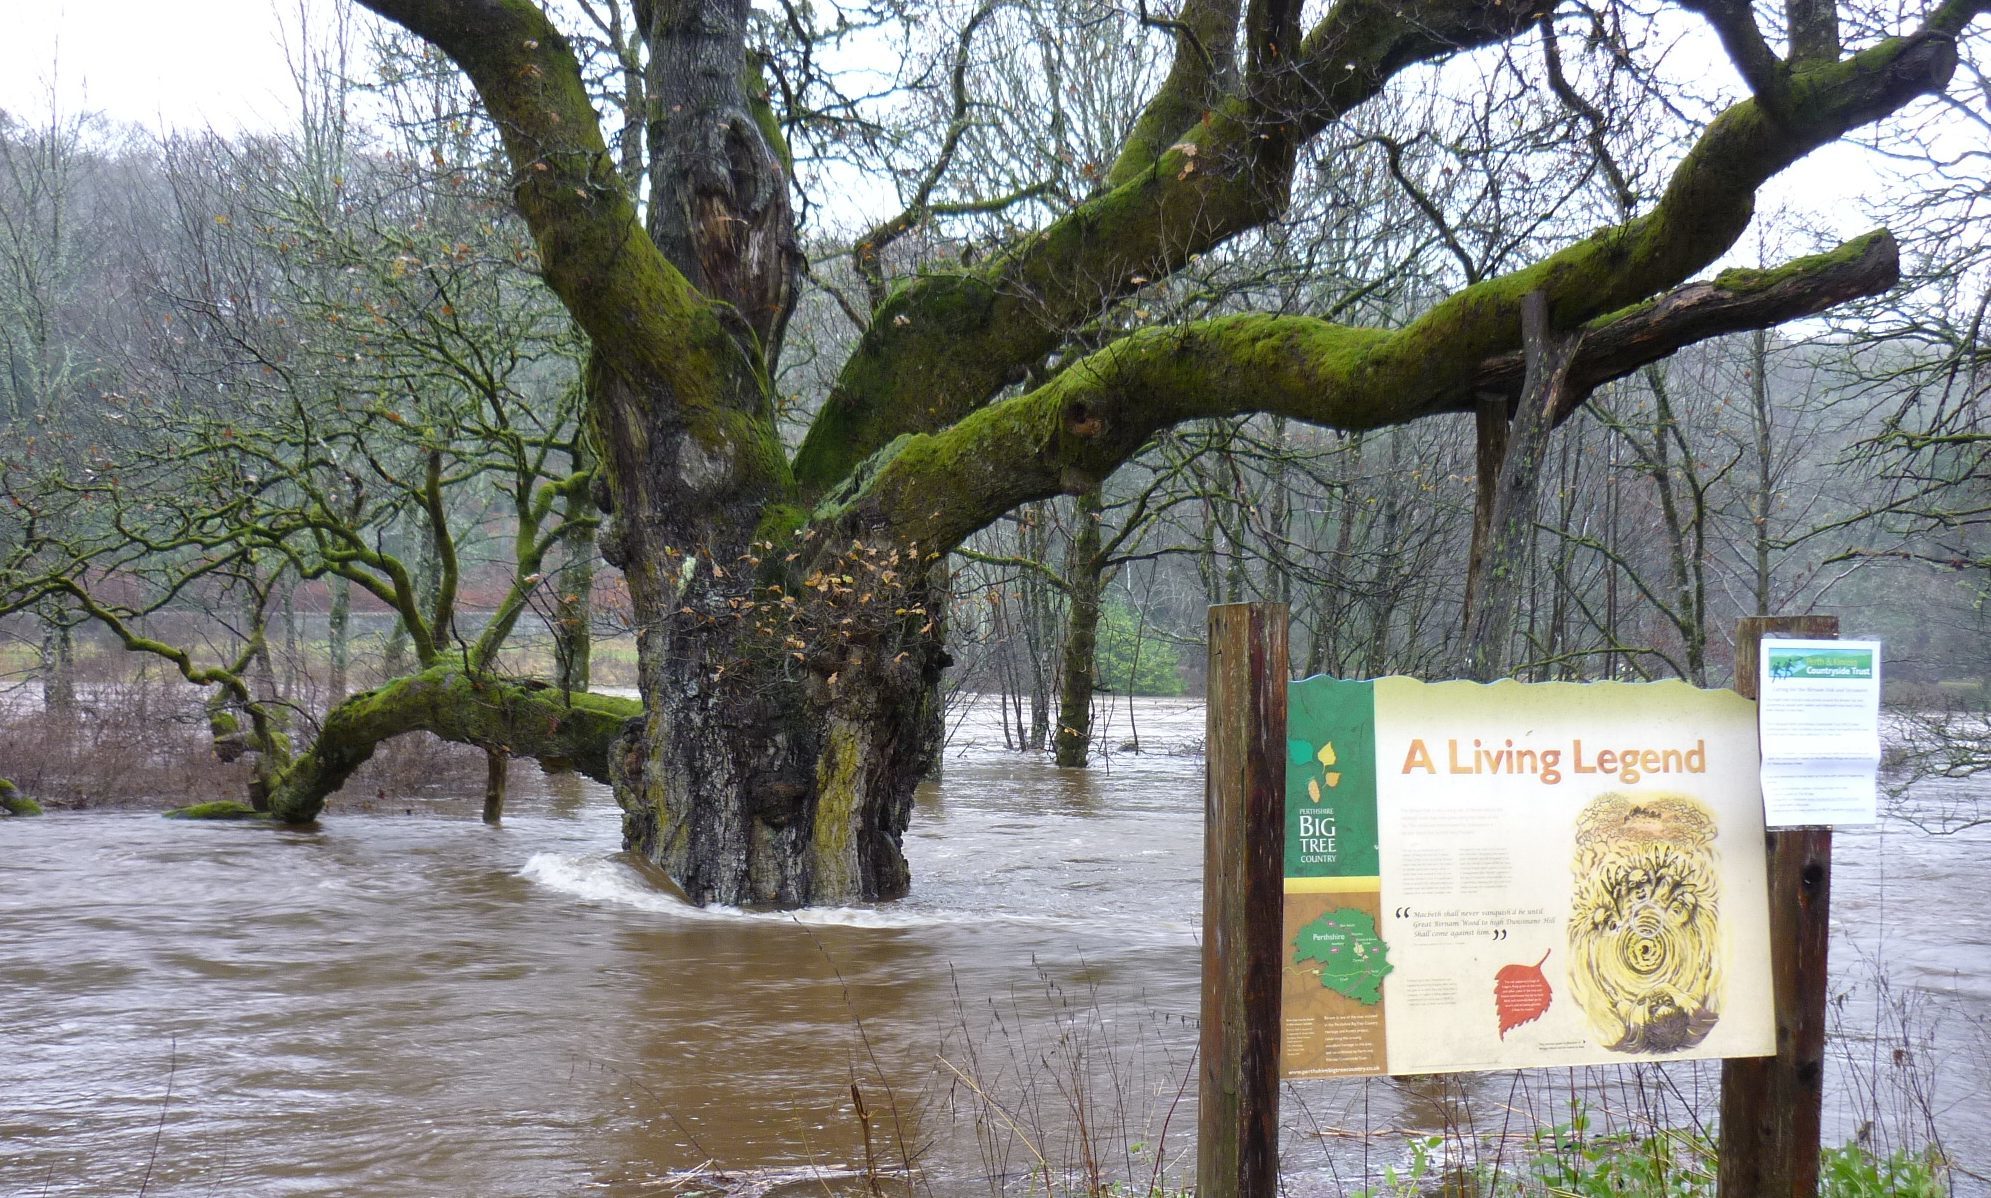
{"type": "Point", "coordinates": [407, 1002]}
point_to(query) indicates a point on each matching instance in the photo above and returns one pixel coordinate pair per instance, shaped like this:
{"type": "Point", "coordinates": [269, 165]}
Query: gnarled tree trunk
{"type": "Point", "coordinates": [788, 686]}
{"type": "Point", "coordinates": [788, 646]}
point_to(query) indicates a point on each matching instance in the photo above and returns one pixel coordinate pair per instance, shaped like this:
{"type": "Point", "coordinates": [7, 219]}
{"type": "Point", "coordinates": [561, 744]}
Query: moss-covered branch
{"type": "Point", "coordinates": [1069, 434]}
{"type": "Point", "coordinates": [13, 802]}
{"type": "Point", "coordinates": [521, 719]}
{"type": "Point", "coordinates": [1734, 301]}
{"type": "Point", "coordinates": [941, 345]}
{"type": "Point", "coordinates": [1202, 71]}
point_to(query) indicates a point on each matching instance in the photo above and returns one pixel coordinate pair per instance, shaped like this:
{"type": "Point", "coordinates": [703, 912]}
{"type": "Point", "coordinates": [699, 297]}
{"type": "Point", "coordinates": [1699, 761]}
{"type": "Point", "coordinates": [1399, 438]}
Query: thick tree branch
{"type": "Point", "coordinates": [498, 714]}
{"type": "Point", "coordinates": [638, 309]}
{"type": "Point", "coordinates": [943, 344]}
{"type": "Point", "coordinates": [1734, 22]}
{"type": "Point", "coordinates": [1734, 301]}
{"type": "Point", "coordinates": [1200, 75]}
{"type": "Point", "coordinates": [1072, 432]}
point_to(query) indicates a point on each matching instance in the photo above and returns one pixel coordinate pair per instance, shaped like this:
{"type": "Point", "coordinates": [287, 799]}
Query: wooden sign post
{"type": "Point", "coordinates": [1771, 1106]}
{"type": "Point", "coordinates": [1244, 852]}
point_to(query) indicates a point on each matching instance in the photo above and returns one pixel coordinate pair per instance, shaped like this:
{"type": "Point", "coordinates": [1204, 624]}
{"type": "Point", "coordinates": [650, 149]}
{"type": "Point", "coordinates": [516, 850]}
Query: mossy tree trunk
{"type": "Point", "coordinates": [788, 646]}
{"type": "Point", "coordinates": [1085, 582]}
{"type": "Point", "coordinates": [338, 638]}
{"type": "Point", "coordinates": [58, 664]}
{"type": "Point", "coordinates": [573, 603]}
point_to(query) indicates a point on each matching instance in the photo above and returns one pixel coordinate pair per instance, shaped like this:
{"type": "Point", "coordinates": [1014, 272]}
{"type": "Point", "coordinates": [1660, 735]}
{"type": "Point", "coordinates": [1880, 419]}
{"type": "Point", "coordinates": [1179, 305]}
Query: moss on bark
{"type": "Point", "coordinates": [496, 714]}
{"type": "Point", "coordinates": [219, 809]}
{"type": "Point", "coordinates": [13, 802]}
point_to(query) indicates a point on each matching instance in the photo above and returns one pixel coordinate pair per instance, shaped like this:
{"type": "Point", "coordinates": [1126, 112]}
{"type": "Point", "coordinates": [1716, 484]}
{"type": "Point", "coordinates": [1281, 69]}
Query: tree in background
{"type": "Point", "coordinates": [337, 366]}
{"type": "Point", "coordinates": [787, 605]}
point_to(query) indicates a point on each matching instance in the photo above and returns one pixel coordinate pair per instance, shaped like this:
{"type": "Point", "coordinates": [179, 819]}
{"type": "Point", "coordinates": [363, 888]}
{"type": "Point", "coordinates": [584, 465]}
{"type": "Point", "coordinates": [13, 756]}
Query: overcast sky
{"type": "Point", "coordinates": [171, 63]}
{"type": "Point", "coordinates": [190, 64]}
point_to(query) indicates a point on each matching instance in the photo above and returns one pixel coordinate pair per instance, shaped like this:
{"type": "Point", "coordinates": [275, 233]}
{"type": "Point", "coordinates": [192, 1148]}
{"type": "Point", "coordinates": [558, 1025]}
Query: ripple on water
{"type": "Point", "coordinates": [420, 1005]}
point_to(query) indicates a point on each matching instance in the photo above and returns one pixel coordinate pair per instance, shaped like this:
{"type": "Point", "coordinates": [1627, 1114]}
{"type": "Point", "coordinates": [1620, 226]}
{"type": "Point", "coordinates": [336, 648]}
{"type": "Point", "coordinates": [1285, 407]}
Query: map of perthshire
{"type": "Point", "coordinates": [1353, 958]}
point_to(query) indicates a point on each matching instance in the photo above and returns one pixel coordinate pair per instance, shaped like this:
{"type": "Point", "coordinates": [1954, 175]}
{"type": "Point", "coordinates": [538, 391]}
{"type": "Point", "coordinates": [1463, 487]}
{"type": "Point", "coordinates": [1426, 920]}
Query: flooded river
{"type": "Point", "coordinates": [407, 1002]}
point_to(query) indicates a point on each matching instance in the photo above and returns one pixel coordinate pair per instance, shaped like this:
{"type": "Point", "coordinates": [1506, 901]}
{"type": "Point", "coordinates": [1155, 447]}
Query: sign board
{"type": "Point", "coordinates": [1513, 875]}
{"type": "Point", "coordinates": [1819, 704]}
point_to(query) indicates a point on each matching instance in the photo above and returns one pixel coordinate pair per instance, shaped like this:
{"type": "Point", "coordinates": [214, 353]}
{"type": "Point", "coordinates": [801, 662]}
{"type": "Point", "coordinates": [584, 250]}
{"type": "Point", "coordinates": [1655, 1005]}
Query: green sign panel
{"type": "Point", "coordinates": [1331, 779]}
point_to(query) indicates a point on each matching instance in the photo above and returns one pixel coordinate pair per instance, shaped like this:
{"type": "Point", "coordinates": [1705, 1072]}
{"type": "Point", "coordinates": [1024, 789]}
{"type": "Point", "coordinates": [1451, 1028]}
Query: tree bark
{"type": "Point", "coordinates": [1510, 522]}
{"type": "Point", "coordinates": [719, 206]}
{"type": "Point", "coordinates": [1085, 575]}
{"type": "Point", "coordinates": [338, 638]}
{"type": "Point", "coordinates": [495, 714]}
{"type": "Point", "coordinates": [783, 742]}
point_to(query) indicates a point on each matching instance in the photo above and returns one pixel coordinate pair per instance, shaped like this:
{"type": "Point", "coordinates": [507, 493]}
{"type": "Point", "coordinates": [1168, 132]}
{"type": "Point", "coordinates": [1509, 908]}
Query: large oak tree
{"type": "Point", "coordinates": [788, 604]}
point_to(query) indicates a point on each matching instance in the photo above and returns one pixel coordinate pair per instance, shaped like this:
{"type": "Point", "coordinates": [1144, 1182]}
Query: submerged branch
{"type": "Point", "coordinates": [520, 718]}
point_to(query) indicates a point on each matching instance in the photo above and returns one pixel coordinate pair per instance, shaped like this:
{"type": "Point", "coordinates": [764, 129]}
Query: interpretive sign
{"type": "Point", "coordinates": [1819, 704]}
{"type": "Point", "coordinates": [1512, 875]}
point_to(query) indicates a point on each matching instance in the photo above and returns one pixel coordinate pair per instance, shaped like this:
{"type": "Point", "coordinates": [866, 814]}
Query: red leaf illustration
{"type": "Point", "coordinates": [1521, 994]}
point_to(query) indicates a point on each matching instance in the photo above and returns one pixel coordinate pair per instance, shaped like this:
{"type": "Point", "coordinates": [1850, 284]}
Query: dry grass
{"type": "Point", "coordinates": [141, 743]}
{"type": "Point", "coordinates": [126, 744]}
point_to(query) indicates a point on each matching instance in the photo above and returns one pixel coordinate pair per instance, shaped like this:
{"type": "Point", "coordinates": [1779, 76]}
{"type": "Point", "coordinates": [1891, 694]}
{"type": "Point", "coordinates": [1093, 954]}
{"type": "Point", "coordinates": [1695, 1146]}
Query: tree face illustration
{"type": "Point", "coordinates": [1644, 927]}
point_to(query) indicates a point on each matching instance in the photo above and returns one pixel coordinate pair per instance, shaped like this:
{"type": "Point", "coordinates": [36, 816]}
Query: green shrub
{"type": "Point", "coordinates": [1571, 1162]}
{"type": "Point", "coordinates": [1123, 645]}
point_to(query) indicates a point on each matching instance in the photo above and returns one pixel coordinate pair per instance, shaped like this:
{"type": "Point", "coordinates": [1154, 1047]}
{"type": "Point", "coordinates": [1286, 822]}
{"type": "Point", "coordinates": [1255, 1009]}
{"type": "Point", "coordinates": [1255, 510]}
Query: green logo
{"type": "Point", "coordinates": [1331, 779]}
{"type": "Point", "coordinates": [1353, 959]}
{"type": "Point", "coordinates": [1838, 664]}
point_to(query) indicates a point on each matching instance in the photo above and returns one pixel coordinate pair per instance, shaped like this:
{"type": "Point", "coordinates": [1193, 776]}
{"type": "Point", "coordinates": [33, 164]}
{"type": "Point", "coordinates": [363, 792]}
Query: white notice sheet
{"type": "Point", "coordinates": [1818, 709]}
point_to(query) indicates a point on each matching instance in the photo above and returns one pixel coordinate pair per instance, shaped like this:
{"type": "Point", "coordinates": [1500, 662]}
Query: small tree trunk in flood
{"type": "Point", "coordinates": [338, 624]}
{"type": "Point", "coordinates": [58, 666]}
{"type": "Point", "coordinates": [1039, 626]}
{"type": "Point", "coordinates": [292, 658]}
{"type": "Point", "coordinates": [496, 768]}
{"type": "Point", "coordinates": [573, 609]}
{"type": "Point", "coordinates": [1085, 579]}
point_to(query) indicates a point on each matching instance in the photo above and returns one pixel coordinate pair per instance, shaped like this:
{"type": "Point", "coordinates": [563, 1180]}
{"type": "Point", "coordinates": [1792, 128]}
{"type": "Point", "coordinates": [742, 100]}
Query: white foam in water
{"type": "Point", "coordinates": [601, 879]}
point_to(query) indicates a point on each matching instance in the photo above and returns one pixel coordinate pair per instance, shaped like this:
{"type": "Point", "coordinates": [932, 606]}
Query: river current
{"type": "Point", "coordinates": [403, 1001]}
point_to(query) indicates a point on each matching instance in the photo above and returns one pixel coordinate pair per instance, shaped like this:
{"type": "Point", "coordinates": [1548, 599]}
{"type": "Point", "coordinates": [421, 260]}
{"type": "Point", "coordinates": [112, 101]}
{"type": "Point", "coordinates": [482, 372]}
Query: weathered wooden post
{"type": "Point", "coordinates": [1244, 850]}
{"type": "Point", "coordinates": [497, 763]}
{"type": "Point", "coordinates": [1771, 1106]}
